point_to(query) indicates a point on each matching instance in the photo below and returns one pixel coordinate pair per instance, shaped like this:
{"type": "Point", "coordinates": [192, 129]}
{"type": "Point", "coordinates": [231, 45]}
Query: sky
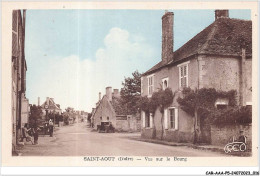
{"type": "Point", "coordinates": [72, 55]}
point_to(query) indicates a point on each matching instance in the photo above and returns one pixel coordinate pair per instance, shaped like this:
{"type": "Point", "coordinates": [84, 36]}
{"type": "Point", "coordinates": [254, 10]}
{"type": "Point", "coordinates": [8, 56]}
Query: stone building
{"type": "Point", "coordinates": [109, 109]}
{"type": "Point", "coordinates": [25, 111]}
{"type": "Point", "coordinates": [49, 106]}
{"type": "Point", "coordinates": [18, 73]}
{"type": "Point", "coordinates": [219, 57]}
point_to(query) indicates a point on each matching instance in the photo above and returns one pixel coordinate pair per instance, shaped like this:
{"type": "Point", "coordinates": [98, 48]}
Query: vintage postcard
{"type": "Point", "coordinates": [129, 84]}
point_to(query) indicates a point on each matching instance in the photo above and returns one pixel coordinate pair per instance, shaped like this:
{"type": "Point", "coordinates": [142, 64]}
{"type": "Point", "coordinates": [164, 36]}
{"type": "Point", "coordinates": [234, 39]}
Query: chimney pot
{"type": "Point", "coordinates": [221, 14]}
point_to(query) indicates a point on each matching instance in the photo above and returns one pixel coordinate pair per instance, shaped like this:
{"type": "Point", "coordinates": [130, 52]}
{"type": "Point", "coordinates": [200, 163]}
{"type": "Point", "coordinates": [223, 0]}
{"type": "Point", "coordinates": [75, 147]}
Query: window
{"type": "Point", "coordinates": [173, 118]}
{"type": "Point", "coordinates": [100, 118]}
{"type": "Point", "coordinates": [183, 74]}
{"type": "Point", "coordinates": [165, 83]}
{"type": "Point", "coordinates": [107, 118]}
{"type": "Point", "coordinates": [221, 103]}
{"type": "Point", "coordinates": [150, 85]}
{"type": "Point", "coordinates": [147, 120]}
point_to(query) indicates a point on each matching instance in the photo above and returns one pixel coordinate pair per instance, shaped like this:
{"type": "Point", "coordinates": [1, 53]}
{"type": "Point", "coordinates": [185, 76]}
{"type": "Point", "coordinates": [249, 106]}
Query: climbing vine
{"type": "Point", "coordinates": [159, 99]}
{"type": "Point", "coordinates": [202, 101]}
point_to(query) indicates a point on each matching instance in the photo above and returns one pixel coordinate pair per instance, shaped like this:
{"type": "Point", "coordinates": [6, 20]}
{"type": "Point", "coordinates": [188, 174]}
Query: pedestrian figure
{"type": "Point", "coordinates": [46, 128]}
{"type": "Point", "coordinates": [51, 127]}
{"type": "Point", "coordinates": [26, 133]}
{"type": "Point", "coordinates": [35, 134]}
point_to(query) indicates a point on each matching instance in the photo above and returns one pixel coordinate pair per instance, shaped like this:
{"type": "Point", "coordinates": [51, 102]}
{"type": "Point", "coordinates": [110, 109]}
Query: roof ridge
{"type": "Point", "coordinates": [210, 36]}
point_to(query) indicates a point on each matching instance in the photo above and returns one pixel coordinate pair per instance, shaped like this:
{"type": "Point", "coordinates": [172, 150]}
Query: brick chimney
{"type": "Point", "coordinates": [47, 100]}
{"type": "Point", "coordinates": [167, 36]}
{"type": "Point", "coordinates": [116, 93]}
{"type": "Point", "coordinates": [99, 96]}
{"type": "Point", "coordinates": [39, 101]}
{"type": "Point", "coordinates": [221, 14]}
{"type": "Point", "coordinates": [109, 93]}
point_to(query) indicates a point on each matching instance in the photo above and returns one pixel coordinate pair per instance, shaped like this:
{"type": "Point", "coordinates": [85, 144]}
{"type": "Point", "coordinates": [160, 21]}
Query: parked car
{"type": "Point", "coordinates": [105, 127]}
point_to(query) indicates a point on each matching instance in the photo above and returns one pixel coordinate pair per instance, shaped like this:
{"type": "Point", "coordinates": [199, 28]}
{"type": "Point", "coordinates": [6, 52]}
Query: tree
{"type": "Point", "coordinates": [160, 99]}
{"type": "Point", "coordinates": [35, 115]}
{"type": "Point", "coordinates": [131, 92]}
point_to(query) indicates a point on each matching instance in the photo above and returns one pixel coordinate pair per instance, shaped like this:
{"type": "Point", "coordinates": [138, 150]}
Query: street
{"type": "Point", "coordinates": [78, 140]}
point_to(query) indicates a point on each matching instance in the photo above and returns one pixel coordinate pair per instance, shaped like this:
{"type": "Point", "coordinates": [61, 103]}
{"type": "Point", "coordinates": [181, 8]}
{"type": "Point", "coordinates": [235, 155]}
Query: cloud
{"type": "Point", "coordinates": [75, 82]}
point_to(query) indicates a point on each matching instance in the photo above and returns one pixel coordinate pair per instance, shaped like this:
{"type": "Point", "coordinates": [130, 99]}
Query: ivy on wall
{"type": "Point", "coordinates": [202, 101]}
{"type": "Point", "coordinates": [159, 99]}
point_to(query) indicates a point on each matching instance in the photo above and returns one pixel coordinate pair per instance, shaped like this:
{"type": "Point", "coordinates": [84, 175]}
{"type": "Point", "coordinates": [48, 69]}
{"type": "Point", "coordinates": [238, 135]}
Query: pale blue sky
{"type": "Point", "coordinates": [68, 52]}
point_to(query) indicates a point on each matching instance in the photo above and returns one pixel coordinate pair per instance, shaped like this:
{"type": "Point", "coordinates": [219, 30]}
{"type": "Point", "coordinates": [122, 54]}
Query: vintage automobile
{"type": "Point", "coordinates": [105, 127]}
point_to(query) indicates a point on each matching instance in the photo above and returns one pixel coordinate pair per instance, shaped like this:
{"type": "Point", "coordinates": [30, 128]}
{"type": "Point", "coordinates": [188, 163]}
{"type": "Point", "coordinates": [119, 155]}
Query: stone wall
{"type": "Point", "coordinates": [222, 135]}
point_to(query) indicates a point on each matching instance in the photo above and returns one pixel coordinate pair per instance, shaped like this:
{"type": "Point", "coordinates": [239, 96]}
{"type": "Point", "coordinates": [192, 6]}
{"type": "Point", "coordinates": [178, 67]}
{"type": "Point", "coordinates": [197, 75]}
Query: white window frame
{"type": "Point", "coordinates": [176, 118]}
{"type": "Point", "coordinates": [152, 85]}
{"type": "Point", "coordinates": [151, 120]}
{"type": "Point", "coordinates": [143, 118]}
{"type": "Point", "coordinates": [165, 79]}
{"type": "Point", "coordinates": [165, 118]}
{"type": "Point", "coordinates": [182, 65]}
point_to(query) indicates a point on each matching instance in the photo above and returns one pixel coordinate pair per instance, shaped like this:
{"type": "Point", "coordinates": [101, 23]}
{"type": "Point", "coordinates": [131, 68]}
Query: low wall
{"type": "Point", "coordinates": [222, 135]}
{"type": "Point", "coordinates": [169, 135]}
{"type": "Point", "coordinates": [147, 133]}
{"type": "Point", "coordinates": [178, 136]}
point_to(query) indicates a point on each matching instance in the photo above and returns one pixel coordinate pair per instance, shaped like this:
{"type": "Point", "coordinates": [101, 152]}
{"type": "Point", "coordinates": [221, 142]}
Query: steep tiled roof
{"type": "Point", "coordinates": [223, 37]}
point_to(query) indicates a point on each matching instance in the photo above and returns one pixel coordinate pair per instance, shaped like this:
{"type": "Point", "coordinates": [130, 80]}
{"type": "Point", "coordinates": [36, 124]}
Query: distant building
{"type": "Point", "coordinates": [109, 109]}
{"type": "Point", "coordinates": [18, 73]}
{"type": "Point", "coordinates": [49, 106]}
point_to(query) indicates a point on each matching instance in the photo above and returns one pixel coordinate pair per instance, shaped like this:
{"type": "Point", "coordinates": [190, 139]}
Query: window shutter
{"type": "Point", "coordinates": [143, 118]}
{"type": "Point", "coordinates": [176, 118]}
{"type": "Point", "coordinates": [151, 120]}
{"type": "Point", "coordinates": [165, 118]}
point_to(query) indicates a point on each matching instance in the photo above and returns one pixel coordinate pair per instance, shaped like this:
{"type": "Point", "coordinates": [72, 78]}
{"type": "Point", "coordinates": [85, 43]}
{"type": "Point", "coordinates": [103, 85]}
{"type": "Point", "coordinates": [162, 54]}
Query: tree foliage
{"type": "Point", "coordinates": [203, 101]}
{"type": "Point", "coordinates": [159, 99]}
{"type": "Point", "coordinates": [131, 92]}
{"type": "Point", "coordinates": [35, 115]}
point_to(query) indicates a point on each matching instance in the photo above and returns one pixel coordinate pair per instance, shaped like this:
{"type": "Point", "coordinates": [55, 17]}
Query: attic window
{"type": "Point", "coordinates": [229, 38]}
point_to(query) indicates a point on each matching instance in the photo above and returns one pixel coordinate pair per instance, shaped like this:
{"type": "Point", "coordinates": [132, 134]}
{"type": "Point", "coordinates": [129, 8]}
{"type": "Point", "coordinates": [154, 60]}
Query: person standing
{"type": "Point", "coordinates": [35, 134]}
{"type": "Point", "coordinates": [51, 127]}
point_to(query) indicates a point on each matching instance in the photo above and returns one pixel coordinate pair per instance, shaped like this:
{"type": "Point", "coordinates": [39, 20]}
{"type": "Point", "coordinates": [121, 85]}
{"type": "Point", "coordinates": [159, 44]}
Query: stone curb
{"type": "Point", "coordinates": [199, 147]}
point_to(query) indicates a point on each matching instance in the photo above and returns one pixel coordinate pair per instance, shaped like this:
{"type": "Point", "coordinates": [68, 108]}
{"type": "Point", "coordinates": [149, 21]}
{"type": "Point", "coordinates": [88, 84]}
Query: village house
{"type": "Point", "coordinates": [109, 109]}
{"type": "Point", "coordinates": [19, 68]}
{"type": "Point", "coordinates": [49, 106]}
{"type": "Point", "coordinates": [219, 57]}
